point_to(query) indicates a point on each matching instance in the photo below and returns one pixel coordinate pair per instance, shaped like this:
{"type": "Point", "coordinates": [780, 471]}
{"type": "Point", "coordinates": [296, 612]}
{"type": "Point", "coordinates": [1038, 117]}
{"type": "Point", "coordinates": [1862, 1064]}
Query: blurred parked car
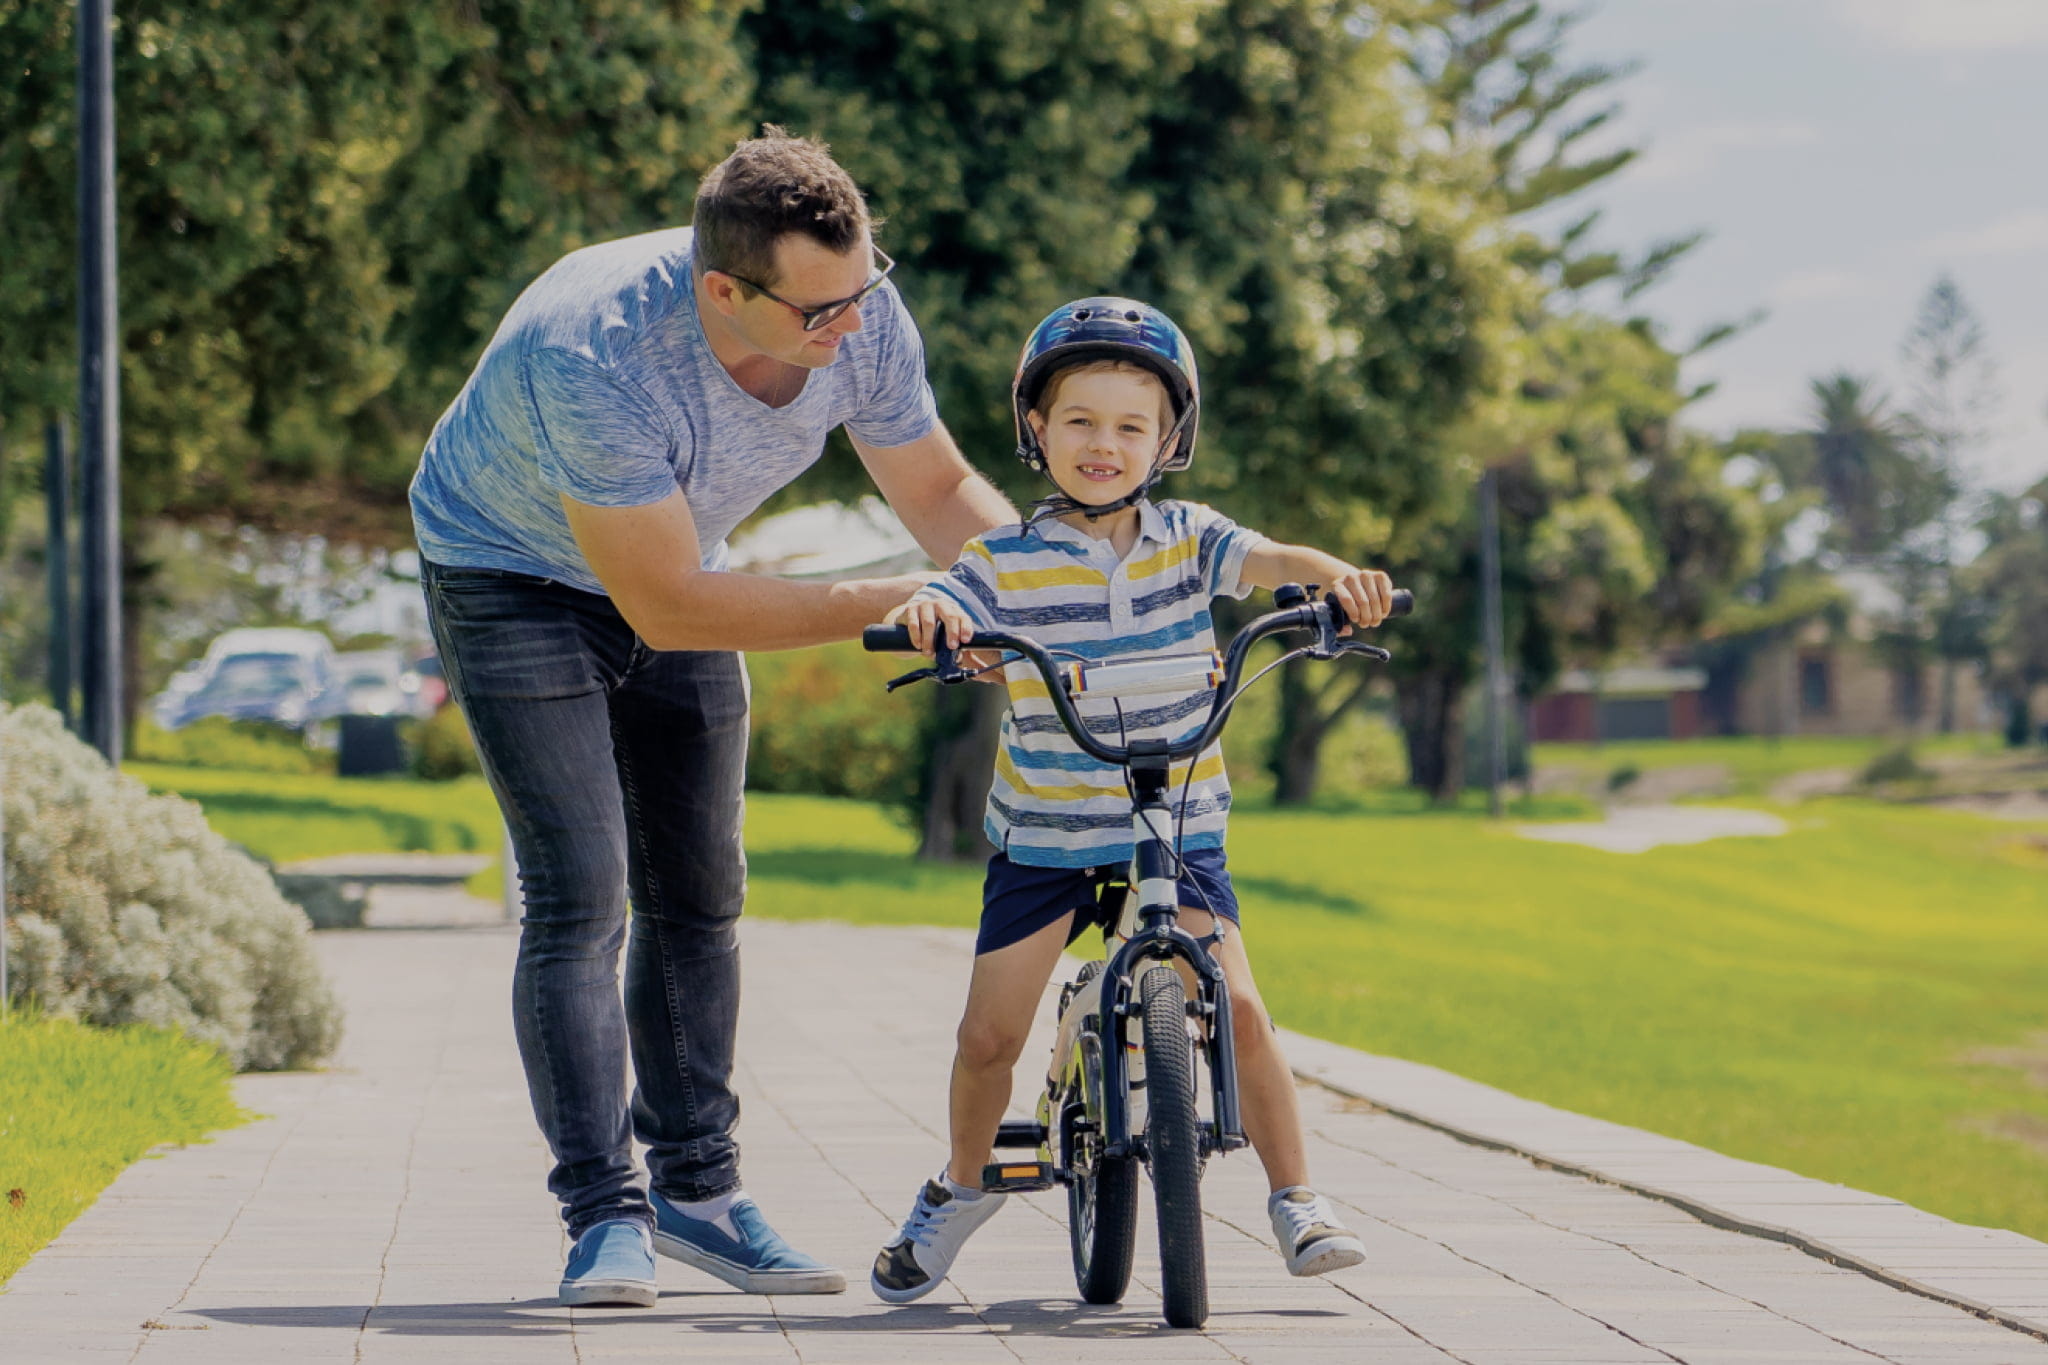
{"type": "Point", "coordinates": [276, 674]}
{"type": "Point", "coordinates": [374, 682]}
{"type": "Point", "coordinates": [433, 686]}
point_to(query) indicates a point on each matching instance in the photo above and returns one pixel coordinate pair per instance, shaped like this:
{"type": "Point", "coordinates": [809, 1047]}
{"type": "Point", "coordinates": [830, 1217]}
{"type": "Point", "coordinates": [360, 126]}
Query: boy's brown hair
{"type": "Point", "coordinates": [1048, 395]}
{"type": "Point", "coordinates": [770, 186]}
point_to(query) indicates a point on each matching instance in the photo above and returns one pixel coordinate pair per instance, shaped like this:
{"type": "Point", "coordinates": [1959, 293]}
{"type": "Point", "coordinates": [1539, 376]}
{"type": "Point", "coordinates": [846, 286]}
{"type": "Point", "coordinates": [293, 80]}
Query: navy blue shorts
{"type": "Point", "coordinates": [1017, 901]}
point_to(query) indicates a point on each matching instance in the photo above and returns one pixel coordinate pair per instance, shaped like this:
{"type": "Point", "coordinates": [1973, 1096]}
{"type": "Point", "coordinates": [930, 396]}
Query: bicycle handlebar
{"type": "Point", "coordinates": [1325, 617]}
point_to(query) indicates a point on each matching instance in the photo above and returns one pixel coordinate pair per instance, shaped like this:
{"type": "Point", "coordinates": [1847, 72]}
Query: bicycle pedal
{"type": "Point", "coordinates": [1018, 1177]}
{"type": "Point", "coordinates": [1020, 1133]}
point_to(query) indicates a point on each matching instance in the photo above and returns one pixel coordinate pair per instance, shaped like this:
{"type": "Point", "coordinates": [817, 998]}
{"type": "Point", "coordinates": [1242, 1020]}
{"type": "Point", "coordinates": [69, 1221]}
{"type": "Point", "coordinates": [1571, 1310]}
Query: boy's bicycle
{"type": "Point", "coordinates": [1122, 1087]}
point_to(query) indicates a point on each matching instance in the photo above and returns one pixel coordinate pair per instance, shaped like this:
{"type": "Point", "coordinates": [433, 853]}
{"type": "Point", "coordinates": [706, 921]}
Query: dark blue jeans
{"type": "Point", "coordinates": [620, 771]}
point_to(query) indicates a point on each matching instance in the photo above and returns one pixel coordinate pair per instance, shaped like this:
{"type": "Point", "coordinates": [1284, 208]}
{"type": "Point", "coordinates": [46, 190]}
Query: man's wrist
{"type": "Point", "coordinates": [867, 600]}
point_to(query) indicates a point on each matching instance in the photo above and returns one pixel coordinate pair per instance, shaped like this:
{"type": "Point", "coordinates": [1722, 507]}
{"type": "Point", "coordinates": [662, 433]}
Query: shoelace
{"type": "Point", "coordinates": [1302, 1217]}
{"type": "Point", "coordinates": [924, 1221]}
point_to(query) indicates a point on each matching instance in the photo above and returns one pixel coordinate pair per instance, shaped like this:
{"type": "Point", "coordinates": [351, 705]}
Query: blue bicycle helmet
{"type": "Point", "coordinates": [1104, 328]}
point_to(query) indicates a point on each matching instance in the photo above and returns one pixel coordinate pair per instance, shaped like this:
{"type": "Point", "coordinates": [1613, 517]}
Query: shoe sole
{"type": "Point", "coordinates": [1332, 1253]}
{"type": "Point", "coordinates": [821, 1281]}
{"type": "Point", "coordinates": [608, 1294]}
{"type": "Point", "coordinates": [902, 1296]}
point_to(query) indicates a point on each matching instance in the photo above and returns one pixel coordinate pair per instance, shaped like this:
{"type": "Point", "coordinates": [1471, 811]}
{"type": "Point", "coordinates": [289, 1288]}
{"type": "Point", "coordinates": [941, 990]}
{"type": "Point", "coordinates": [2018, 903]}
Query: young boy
{"type": "Point", "coordinates": [1106, 400]}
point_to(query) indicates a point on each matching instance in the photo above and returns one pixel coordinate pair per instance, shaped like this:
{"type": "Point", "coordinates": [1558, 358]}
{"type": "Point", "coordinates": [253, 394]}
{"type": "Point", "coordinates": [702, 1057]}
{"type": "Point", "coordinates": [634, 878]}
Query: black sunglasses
{"type": "Point", "coordinates": [825, 313]}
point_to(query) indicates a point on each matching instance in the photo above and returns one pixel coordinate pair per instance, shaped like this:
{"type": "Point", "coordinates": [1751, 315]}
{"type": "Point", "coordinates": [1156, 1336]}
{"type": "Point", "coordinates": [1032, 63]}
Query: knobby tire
{"type": "Point", "coordinates": [1102, 1205]}
{"type": "Point", "coordinates": [1174, 1147]}
{"type": "Point", "coordinates": [1102, 1224]}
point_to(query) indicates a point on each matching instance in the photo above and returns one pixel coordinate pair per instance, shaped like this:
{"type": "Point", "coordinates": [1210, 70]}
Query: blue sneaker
{"type": "Point", "coordinates": [612, 1263]}
{"type": "Point", "coordinates": [757, 1260]}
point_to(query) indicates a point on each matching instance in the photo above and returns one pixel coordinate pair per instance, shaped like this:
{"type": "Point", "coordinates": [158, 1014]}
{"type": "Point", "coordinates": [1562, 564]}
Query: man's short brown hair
{"type": "Point", "coordinates": [770, 186]}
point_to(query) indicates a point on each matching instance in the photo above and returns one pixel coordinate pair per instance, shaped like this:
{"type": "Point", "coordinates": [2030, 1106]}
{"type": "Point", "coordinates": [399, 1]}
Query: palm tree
{"type": "Point", "coordinates": [1861, 457]}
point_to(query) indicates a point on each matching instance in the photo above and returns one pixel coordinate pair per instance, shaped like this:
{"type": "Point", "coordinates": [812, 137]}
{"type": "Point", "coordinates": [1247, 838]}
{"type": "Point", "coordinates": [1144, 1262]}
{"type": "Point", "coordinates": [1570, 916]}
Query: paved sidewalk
{"type": "Point", "coordinates": [392, 1210]}
{"type": "Point", "coordinates": [1638, 829]}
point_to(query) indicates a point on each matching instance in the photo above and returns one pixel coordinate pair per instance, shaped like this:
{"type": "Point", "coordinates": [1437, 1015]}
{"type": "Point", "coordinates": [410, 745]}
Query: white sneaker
{"type": "Point", "coordinates": [1312, 1241]}
{"type": "Point", "coordinates": [916, 1259]}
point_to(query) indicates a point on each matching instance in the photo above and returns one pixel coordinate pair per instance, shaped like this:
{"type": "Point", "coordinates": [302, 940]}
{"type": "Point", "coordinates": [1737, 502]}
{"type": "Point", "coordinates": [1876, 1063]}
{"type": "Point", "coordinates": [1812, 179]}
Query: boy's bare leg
{"type": "Point", "coordinates": [1265, 1083]}
{"type": "Point", "coordinates": [1002, 999]}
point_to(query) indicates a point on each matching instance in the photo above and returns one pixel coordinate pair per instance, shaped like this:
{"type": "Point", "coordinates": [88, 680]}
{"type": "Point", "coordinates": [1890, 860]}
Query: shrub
{"type": "Point", "coordinates": [443, 748]}
{"type": "Point", "coordinates": [1894, 765]}
{"type": "Point", "coordinates": [126, 908]}
{"type": "Point", "coordinates": [249, 746]}
{"type": "Point", "coordinates": [1624, 776]}
{"type": "Point", "coordinates": [823, 725]}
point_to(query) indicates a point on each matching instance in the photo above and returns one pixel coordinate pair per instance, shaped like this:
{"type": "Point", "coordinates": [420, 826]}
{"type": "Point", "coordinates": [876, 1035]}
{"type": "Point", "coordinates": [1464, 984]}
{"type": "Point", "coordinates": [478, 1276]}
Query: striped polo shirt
{"type": "Point", "coordinates": [1050, 804]}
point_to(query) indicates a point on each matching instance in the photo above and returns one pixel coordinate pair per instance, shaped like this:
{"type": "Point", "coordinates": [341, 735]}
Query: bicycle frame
{"type": "Point", "coordinates": [1157, 936]}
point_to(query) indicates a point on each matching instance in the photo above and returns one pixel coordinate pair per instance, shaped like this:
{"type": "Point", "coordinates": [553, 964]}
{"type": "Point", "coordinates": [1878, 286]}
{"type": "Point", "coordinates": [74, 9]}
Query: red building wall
{"type": "Point", "coordinates": [1563, 717]}
{"type": "Point", "coordinates": [1574, 717]}
{"type": "Point", "coordinates": [1685, 715]}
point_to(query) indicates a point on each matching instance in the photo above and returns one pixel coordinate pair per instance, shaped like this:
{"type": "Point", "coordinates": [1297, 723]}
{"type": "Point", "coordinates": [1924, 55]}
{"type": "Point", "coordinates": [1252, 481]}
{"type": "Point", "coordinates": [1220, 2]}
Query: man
{"type": "Point", "coordinates": [638, 401]}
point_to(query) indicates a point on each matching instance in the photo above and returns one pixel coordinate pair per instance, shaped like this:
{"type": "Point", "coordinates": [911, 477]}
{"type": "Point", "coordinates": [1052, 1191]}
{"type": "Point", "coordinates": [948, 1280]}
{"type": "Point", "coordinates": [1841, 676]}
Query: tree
{"type": "Point", "coordinates": [1370, 308]}
{"type": "Point", "coordinates": [1859, 455]}
{"type": "Point", "coordinates": [1246, 166]}
{"type": "Point", "coordinates": [1954, 392]}
{"type": "Point", "coordinates": [1618, 529]}
{"type": "Point", "coordinates": [2009, 581]}
{"type": "Point", "coordinates": [321, 218]}
{"type": "Point", "coordinates": [970, 129]}
{"type": "Point", "coordinates": [250, 283]}
{"type": "Point", "coordinates": [1582, 425]}
{"type": "Point", "coordinates": [533, 129]}
{"type": "Point", "coordinates": [1502, 86]}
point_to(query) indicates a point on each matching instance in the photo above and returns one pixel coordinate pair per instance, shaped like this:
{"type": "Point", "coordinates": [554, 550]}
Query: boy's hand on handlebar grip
{"type": "Point", "coordinates": [925, 617]}
{"type": "Point", "coordinates": [1367, 596]}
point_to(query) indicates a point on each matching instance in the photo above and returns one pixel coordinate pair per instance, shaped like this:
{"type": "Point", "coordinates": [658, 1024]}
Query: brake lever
{"type": "Point", "coordinates": [945, 667]}
{"type": "Point", "coordinates": [1330, 619]}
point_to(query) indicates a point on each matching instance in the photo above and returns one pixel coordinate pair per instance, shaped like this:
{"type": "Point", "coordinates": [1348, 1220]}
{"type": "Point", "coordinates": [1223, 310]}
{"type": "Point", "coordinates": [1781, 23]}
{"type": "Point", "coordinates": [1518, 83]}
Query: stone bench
{"type": "Point", "coordinates": [335, 891]}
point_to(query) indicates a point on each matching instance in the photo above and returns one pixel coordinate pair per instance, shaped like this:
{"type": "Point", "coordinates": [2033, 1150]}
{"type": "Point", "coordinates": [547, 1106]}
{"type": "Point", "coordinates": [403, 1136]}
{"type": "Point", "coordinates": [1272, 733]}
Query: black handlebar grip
{"type": "Point", "coordinates": [1402, 605]}
{"type": "Point", "coordinates": [887, 640]}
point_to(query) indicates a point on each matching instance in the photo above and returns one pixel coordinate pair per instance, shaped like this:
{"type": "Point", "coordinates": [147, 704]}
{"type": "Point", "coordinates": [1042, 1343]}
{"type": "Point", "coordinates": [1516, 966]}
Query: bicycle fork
{"type": "Point", "coordinates": [1152, 933]}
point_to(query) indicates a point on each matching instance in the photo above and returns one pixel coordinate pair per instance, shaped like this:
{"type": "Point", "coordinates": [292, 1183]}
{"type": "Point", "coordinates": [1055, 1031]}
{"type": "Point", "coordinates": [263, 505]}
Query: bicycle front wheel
{"type": "Point", "coordinates": [1173, 1142]}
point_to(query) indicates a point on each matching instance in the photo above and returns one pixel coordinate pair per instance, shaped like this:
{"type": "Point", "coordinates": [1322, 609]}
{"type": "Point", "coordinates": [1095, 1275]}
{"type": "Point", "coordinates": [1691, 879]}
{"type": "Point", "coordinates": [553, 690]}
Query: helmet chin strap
{"type": "Point", "coordinates": [1060, 504]}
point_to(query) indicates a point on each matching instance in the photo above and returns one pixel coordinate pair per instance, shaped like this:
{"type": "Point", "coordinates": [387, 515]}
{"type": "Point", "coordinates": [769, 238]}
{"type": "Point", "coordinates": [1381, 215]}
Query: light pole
{"type": "Point", "coordinates": [99, 391]}
{"type": "Point", "coordinates": [1490, 610]}
{"type": "Point", "coordinates": [57, 563]}
{"type": "Point", "coordinates": [3, 883]}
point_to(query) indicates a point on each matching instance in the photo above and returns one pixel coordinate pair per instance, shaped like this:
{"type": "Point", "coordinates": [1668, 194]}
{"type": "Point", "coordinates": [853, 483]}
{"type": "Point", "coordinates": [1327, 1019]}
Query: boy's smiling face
{"type": "Point", "coordinates": [1100, 429]}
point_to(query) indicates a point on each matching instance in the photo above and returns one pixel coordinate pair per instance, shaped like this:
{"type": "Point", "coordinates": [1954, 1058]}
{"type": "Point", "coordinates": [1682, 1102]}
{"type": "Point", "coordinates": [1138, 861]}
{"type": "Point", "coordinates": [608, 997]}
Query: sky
{"type": "Point", "coordinates": [1840, 154]}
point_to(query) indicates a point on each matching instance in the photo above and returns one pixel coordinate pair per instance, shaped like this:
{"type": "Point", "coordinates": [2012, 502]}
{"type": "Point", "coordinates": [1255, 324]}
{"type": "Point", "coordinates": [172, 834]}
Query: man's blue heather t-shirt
{"type": "Point", "coordinates": [600, 385]}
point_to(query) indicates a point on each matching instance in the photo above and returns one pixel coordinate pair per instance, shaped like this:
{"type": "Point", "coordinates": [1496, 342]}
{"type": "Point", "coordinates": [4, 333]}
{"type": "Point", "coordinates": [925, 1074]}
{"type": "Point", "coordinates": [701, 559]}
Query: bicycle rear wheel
{"type": "Point", "coordinates": [1174, 1147]}
{"type": "Point", "coordinates": [1102, 1209]}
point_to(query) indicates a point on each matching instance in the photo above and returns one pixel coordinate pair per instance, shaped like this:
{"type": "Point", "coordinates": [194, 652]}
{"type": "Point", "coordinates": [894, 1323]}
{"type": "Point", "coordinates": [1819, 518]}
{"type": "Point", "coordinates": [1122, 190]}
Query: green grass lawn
{"type": "Point", "coordinates": [1811, 1001]}
{"type": "Point", "coordinates": [286, 816]}
{"type": "Point", "coordinates": [78, 1105]}
{"type": "Point", "coordinates": [1753, 763]}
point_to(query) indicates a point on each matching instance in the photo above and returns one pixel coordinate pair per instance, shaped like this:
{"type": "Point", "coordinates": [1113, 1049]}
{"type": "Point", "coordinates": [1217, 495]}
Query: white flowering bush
{"type": "Point", "coordinates": [126, 907]}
